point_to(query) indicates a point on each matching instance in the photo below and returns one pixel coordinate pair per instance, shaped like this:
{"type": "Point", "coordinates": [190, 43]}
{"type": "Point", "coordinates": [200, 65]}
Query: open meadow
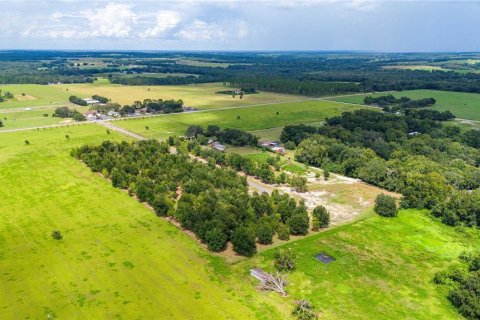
{"type": "Point", "coordinates": [383, 268]}
{"type": "Point", "coordinates": [116, 260]}
{"type": "Point", "coordinates": [462, 105]}
{"type": "Point", "coordinates": [248, 118]}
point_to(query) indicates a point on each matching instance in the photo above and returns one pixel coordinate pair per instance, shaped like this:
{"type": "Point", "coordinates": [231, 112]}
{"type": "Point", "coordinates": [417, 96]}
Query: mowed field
{"type": "Point", "coordinates": [35, 95]}
{"type": "Point", "coordinates": [247, 118]}
{"type": "Point", "coordinates": [462, 105]}
{"type": "Point", "coordinates": [117, 260]}
{"type": "Point", "coordinates": [32, 118]}
{"type": "Point", "coordinates": [383, 268]}
{"type": "Point", "coordinates": [201, 96]}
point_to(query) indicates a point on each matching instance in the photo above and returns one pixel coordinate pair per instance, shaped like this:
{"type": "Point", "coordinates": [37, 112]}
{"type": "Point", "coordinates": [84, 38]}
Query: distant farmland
{"type": "Point", "coordinates": [248, 118]}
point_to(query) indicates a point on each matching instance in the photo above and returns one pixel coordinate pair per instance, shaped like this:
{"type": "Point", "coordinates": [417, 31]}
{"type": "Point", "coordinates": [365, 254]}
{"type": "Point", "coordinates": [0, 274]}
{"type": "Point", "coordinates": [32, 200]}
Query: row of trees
{"type": "Point", "coordinates": [78, 101]}
{"type": "Point", "coordinates": [403, 102]}
{"type": "Point", "coordinates": [66, 112]}
{"type": "Point", "coordinates": [209, 200]}
{"type": "Point", "coordinates": [434, 168]}
{"type": "Point", "coordinates": [234, 137]}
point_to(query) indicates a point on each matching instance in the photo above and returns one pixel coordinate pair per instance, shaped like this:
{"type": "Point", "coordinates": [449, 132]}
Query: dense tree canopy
{"type": "Point", "coordinates": [211, 201]}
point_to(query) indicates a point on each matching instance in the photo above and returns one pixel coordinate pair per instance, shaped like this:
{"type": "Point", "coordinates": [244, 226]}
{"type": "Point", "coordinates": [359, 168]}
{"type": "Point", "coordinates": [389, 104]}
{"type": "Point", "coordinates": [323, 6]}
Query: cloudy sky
{"type": "Point", "coordinates": [369, 25]}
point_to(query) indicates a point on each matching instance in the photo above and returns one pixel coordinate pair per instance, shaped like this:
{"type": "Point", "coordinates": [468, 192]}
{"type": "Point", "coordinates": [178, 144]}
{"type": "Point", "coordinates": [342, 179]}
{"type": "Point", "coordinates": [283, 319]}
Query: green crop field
{"type": "Point", "coordinates": [117, 260]}
{"type": "Point", "coordinates": [250, 118]}
{"type": "Point", "coordinates": [200, 96]}
{"type": "Point", "coordinates": [383, 268]}
{"type": "Point", "coordinates": [35, 95]}
{"type": "Point", "coordinates": [463, 105]}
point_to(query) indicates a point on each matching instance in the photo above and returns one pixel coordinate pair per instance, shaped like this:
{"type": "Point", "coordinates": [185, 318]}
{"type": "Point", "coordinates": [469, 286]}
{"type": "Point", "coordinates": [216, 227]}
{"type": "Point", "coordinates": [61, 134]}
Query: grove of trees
{"type": "Point", "coordinates": [435, 168]}
{"type": "Point", "coordinates": [211, 201]}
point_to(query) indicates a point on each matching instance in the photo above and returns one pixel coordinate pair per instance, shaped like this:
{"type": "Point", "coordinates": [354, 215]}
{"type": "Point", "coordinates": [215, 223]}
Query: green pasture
{"type": "Point", "coordinates": [201, 96]}
{"type": "Point", "coordinates": [35, 95]}
{"type": "Point", "coordinates": [383, 268]}
{"type": "Point", "coordinates": [248, 118]}
{"type": "Point", "coordinates": [32, 118]}
{"type": "Point", "coordinates": [463, 105]}
{"type": "Point", "coordinates": [117, 260]}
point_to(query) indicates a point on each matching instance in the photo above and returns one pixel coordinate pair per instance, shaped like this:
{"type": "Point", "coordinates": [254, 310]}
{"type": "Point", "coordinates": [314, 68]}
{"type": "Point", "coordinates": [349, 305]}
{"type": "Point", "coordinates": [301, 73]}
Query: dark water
{"type": "Point", "coordinates": [325, 258]}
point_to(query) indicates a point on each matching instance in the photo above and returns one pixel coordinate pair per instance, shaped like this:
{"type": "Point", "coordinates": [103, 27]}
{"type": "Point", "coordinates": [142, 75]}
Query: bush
{"type": "Point", "coordinates": [298, 224]}
{"type": "Point", "coordinates": [290, 145]}
{"type": "Point", "coordinates": [322, 216]}
{"type": "Point", "coordinates": [283, 232]}
{"type": "Point", "coordinates": [304, 310]}
{"type": "Point", "coordinates": [243, 241]}
{"type": "Point", "coordinates": [57, 235]}
{"type": "Point", "coordinates": [385, 205]}
{"type": "Point", "coordinates": [265, 233]}
{"type": "Point", "coordinates": [216, 240]}
{"type": "Point", "coordinates": [285, 260]}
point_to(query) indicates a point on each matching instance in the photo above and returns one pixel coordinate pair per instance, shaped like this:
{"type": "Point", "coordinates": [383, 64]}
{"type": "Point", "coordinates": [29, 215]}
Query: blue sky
{"type": "Point", "coordinates": [368, 25]}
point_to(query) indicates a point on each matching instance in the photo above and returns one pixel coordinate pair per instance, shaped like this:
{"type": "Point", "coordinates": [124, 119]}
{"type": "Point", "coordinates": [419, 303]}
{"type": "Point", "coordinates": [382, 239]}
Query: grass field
{"type": "Point", "coordinates": [35, 95]}
{"type": "Point", "coordinates": [32, 118]}
{"type": "Point", "coordinates": [200, 96]}
{"type": "Point", "coordinates": [463, 105]}
{"type": "Point", "coordinates": [383, 268]}
{"type": "Point", "coordinates": [117, 260]}
{"type": "Point", "coordinates": [251, 118]}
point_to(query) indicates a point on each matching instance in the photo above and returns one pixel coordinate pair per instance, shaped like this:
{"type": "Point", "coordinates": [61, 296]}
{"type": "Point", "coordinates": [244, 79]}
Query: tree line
{"type": "Point", "coordinates": [434, 166]}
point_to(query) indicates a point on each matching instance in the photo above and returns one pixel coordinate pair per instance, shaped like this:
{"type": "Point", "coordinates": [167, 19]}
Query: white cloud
{"type": "Point", "coordinates": [202, 31]}
{"type": "Point", "coordinates": [165, 21]}
{"type": "Point", "coordinates": [113, 20]}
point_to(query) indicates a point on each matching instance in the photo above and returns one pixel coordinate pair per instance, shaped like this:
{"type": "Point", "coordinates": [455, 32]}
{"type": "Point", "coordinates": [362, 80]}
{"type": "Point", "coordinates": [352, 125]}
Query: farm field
{"type": "Point", "coordinates": [384, 267]}
{"type": "Point", "coordinates": [251, 118]}
{"type": "Point", "coordinates": [32, 118]}
{"type": "Point", "coordinates": [201, 96]}
{"type": "Point", "coordinates": [117, 260]}
{"type": "Point", "coordinates": [463, 105]}
{"type": "Point", "coordinates": [35, 95]}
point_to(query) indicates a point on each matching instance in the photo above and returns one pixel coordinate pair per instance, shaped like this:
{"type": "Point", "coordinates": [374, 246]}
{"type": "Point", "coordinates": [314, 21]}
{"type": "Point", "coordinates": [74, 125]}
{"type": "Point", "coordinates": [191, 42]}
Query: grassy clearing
{"type": "Point", "coordinates": [201, 96]}
{"type": "Point", "coordinates": [35, 95]}
{"type": "Point", "coordinates": [251, 118]}
{"type": "Point", "coordinates": [463, 105]}
{"type": "Point", "coordinates": [383, 268]}
{"type": "Point", "coordinates": [117, 259]}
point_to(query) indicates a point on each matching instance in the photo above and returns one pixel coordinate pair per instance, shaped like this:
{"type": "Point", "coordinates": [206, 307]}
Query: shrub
{"type": "Point", "coordinates": [57, 235]}
{"type": "Point", "coordinates": [265, 233]}
{"type": "Point", "coordinates": [285, 260]}
{"type": "Point", "coordinates": [290, 145]}
{"type": "Point", "coordinates": [322, 216]}
{"type": "Point", "coordinates": [243, 241]}
{"type": "Point", "coordinates": [385, 205]}
{"type": "Point", "coordinates": [216, 240]}
{"type": "Point", "coordinates": [298, 224]}
{"type": "Point", "coordinates": [283, 232]}
{"type": "Point", "coordinates": [304, 310]}
{"type": "Point", "coordinates": [326, 174]}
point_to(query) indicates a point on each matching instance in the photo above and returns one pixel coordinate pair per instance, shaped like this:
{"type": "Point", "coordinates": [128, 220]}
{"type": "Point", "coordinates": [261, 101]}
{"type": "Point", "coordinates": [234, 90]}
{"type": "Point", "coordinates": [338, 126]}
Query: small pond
{"type": "Point", "coordinates": [325, 258]}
